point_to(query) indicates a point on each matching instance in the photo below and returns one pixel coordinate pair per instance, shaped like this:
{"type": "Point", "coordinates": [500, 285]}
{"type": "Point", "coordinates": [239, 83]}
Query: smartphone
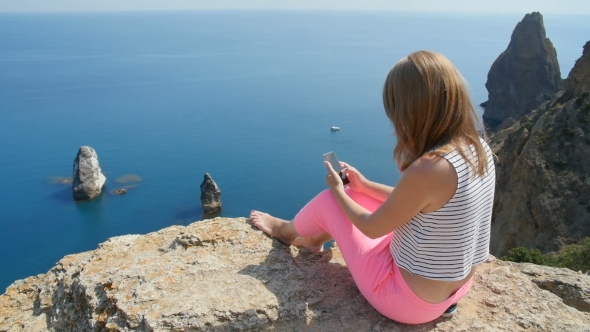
{"type": "Point", "coordinates": [331, 158]}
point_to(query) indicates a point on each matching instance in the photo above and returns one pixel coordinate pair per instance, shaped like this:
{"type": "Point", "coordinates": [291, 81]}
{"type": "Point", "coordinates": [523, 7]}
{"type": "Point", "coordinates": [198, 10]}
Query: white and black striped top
{"type": "Point", "coordinates": [446, 243]}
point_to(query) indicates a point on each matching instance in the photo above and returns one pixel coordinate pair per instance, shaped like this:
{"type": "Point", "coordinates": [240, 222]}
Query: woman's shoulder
{"type": "Point", "coordinates": [433, 168]}
{"type": "Point", "coordinates": [437, 176]}
{"type": "Point", "coordinates": [441, 165]}
{"type": "Point", "coordinates": [430, 164]}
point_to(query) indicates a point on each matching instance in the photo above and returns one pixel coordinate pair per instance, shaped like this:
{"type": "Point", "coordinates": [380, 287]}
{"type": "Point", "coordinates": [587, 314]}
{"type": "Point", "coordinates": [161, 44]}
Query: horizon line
{"type": "Point", "coordinates": [286, 10]}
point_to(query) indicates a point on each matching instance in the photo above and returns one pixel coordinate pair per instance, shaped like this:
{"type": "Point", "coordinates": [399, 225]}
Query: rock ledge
{"type": "Point", "coordinates": [223, 275]}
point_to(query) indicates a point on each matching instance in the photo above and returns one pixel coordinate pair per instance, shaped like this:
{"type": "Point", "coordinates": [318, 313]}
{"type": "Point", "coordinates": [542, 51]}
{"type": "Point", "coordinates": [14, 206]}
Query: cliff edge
{"type": "Point", "coordinates": [525, 75]}
{"type": "Point", "coordinates": [223, 275]}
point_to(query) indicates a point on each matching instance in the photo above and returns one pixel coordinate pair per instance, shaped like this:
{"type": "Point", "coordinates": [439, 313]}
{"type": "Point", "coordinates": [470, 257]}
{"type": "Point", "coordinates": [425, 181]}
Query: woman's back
{"type": "Point", "coordinates": [437, 248]}
{"type": "Point", "coordinates": [445, 244]}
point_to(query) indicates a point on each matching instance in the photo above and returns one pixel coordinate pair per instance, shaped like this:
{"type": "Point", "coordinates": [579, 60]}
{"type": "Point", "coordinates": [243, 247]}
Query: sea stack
{"type": "Point", "coordinates": [525, 75]}
{"type": "Point", "coordinates": [88, 178]}
{"type": "Point", "coordinates": [210, 195]}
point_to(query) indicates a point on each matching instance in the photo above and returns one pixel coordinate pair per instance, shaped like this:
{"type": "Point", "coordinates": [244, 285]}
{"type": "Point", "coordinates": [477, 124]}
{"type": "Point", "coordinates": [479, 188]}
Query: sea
{"type": "Point", "coordinates": [246, 96]}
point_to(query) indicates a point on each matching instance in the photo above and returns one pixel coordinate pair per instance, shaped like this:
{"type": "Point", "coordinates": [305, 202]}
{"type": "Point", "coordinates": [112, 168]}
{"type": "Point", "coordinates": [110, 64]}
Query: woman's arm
{"type": "Point", "coordinates": [376, 190]}
{"type": "Point", "coordinates": [425, 186]}
{"type": "Point", "coordinates": [359, 183]}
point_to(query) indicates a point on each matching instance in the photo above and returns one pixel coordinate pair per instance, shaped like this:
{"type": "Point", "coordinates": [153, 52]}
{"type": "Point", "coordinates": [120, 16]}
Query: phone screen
{"type": "Point", "coordinates": [331, 158]}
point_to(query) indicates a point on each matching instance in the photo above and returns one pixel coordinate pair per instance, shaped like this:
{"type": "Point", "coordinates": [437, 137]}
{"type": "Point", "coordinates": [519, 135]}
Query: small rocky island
{"type": "Point", "coordinates": [121, 191]}
{"type": "Point", "coordinates": [210, 195]}
{"type": "Point", "coordinates": [88, 179]}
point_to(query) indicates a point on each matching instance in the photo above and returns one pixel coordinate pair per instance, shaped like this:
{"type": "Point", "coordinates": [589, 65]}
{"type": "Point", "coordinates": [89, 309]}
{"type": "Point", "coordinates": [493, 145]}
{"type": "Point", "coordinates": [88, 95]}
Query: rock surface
{"type": "Point", "coordinates": [542, 195]}
{"type": "Point", "coordinates": [578, 81]}
{"type": "Point", "coordinates": [572, 288]}
{"type": "Point", "coordinates": [223, 275]}
{"type": "Point", "coordinates": [524, 75]}
{"type": "Point", "coordinates": [88, 179]}
{"type": "Point", "coordinates": [210, 195]}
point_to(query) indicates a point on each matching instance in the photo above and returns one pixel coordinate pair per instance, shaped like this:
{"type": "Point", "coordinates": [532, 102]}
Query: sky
{"type": "Point", "coordinates": [489, 6]}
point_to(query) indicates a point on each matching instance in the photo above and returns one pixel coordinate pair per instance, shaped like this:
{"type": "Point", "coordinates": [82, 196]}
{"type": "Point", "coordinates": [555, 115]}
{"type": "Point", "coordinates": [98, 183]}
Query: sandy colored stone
{"type": "Point", "coordinates": [223, 275]}
{"type": "Point", "coordinates": [573, 288]}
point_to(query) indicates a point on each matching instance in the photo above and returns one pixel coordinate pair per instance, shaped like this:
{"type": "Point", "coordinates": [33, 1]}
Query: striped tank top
{"type": "Point", "coordinates": [446, 243]}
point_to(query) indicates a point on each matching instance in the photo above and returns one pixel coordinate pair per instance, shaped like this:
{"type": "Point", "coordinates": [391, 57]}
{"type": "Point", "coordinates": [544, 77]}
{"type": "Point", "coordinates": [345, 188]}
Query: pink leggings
{"type": "Point", "coordinates": [369, 261]}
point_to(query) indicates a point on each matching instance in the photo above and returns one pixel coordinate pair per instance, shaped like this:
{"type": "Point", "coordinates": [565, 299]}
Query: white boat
{"type": "Point", "coordinates": [335, 128]}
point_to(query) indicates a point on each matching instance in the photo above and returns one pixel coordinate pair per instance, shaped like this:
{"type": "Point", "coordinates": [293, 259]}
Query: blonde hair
{"type": "Point", "coordinates": [425, 98]}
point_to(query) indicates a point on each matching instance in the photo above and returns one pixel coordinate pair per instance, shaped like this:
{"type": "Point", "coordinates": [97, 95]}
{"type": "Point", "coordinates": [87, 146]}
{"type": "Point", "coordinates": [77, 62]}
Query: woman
{"type": "Point", "coordinates": [413, 249]}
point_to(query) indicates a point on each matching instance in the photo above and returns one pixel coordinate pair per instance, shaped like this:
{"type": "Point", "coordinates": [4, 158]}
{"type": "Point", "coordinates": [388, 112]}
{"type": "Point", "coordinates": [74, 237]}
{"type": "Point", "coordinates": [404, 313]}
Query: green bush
{"type": "Point", "coordinates": [525, 255]}
{"type": "Point", "coordinates": [574, 257]}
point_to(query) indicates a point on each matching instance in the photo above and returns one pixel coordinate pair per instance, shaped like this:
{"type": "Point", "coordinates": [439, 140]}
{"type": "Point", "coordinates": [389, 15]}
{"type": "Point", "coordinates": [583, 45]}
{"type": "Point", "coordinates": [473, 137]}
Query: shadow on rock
{"type": "Point", "coordinates": [315, 292]}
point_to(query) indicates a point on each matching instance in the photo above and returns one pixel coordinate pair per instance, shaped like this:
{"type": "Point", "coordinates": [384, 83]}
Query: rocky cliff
{"type": "Point", "coordinates": [524, 75]}
{"type": "Point", "coordinates": [543, 172]}
{"type": "Point", "coordinates": [578, 81]}
{"type": "Point", "coordinates": [224, 275]}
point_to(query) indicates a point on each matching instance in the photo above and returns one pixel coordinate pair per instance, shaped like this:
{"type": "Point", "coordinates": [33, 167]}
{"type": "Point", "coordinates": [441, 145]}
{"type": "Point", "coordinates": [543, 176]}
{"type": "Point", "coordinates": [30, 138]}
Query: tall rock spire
{"type": "Point", "coordinates": [524, 75]}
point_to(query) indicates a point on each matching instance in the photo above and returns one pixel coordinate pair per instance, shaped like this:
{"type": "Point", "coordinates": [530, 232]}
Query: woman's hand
{"type": "Point", "coordinates": [333, 179]}
{"type": "Point", "coordinates": [358, 181]}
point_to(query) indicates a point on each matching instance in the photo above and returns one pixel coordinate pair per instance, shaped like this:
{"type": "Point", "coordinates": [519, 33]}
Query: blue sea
{"type": "Point", "coordinates": [248, 97]}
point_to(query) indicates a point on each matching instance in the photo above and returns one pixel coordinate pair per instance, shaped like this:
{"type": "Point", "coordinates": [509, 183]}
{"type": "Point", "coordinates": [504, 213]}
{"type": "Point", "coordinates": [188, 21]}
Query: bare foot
{"type": "Point", "coordinates": [309, 244]}
{"type": "Point", "coordinates": [272, 226]}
